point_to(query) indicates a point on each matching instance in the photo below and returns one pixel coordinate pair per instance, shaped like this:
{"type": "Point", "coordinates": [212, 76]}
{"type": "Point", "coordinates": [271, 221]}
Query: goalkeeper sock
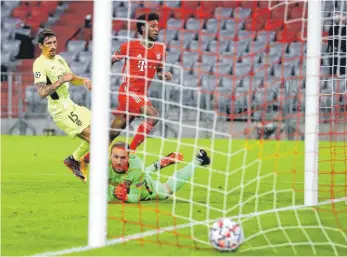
{"type": "Point", "coordinates": [82, 149]}
{"type": "Point", "coordinates": [182, 176]}
{"type": "Point", "coordinates": [144, 129]}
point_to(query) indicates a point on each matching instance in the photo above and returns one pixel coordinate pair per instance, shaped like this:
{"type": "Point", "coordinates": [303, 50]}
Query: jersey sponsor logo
{"type": "Point", "coordinates": [127, 183]}
{"type": "Point", "coordinates": [62, 74]}
{"type": "Point", "coordinates": [142, 65]}
{"type": "Point", "coordinates": [74, 118]}
{"type": "Point", "coordinates": [37, 74]}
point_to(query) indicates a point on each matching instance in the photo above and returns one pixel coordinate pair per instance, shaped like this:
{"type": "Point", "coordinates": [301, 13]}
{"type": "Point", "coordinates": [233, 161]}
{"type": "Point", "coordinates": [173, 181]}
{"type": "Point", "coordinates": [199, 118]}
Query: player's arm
{"type": "Point", "coordinates": [120, 53]}
{"type": "Point", "coordinates": [81, 81]}
{"type": "Point", "coordinates": [77, 80]}
{"type": "Point", "coordinates": [110, 193]}
{"type": "Point", "coordinates": [167, 76]}
{"type": "Point", "coordinates": [40, 80]}
{"type": "Point", "coordinates": [130, 190]}
{"type": "Point", "coordinates": [130, 194]}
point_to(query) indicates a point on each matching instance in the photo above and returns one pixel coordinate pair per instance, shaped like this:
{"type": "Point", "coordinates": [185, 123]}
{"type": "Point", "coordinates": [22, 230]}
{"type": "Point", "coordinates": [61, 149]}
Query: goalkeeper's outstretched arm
{"type": "Point", "coordinates": [128, 195]}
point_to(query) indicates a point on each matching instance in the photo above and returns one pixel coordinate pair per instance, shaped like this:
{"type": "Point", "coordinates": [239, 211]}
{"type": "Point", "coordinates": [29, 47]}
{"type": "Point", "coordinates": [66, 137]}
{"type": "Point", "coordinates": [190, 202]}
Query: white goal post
{"type": "Point", "coordinates": [97, 224]}
{"type": "Point", "coordinates": [314, 39]}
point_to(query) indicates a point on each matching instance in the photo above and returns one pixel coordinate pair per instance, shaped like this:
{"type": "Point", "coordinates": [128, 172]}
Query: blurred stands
{"type": "Point", "coordinates": [230, 48]}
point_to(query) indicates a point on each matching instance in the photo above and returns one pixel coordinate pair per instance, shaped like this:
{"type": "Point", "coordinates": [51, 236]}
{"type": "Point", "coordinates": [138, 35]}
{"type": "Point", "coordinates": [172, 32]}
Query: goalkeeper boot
{"type": "Point", "coordinates": [75, 168]}
{"type": "Point", "coordinates": [170, 159]}
{"type": "Point", "coordinates": [203, 158]}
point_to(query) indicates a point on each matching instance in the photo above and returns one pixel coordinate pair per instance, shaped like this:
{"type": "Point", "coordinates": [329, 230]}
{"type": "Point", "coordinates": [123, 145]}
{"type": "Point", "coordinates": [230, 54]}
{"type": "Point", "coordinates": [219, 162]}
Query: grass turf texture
{"type": "Point", "coordinates": [45, 208]}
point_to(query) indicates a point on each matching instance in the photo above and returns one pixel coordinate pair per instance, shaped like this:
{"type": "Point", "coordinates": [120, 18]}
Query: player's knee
{"type": "Point", "coordinates": [113, 135]}
{"type": "Point", "coordinates": [154, 113]}
{"type": "Point", "coordinates": [153, 116]}
{"type": "Point", "coordinates": [168, 189]}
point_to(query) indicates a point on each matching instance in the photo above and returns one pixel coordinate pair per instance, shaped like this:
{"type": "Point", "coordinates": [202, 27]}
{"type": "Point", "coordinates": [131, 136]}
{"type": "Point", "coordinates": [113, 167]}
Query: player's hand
{"type": "Point", "coordinates": [87, 83]}
{"type": "Point", "coordinates": [121, 192]}
{"type": "Point", "coordinates": [67, 77]}
{"type": "Point", "coordinates": [167, 76]}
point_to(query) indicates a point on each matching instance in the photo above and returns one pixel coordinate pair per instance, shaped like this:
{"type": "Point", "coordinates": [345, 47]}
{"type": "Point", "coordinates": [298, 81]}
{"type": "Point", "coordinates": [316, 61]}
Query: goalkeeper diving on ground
{"type": "Point", "coordinates": [130, 182]}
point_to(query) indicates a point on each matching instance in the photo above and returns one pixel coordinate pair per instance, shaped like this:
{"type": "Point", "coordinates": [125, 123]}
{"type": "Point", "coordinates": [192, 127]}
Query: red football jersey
{"type": "Point", "coordinates": [141, 64]}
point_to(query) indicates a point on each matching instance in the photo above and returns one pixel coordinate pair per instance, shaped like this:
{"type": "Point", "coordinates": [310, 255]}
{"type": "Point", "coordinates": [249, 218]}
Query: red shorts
{"type": "Point", "coordinates": [131, 102]}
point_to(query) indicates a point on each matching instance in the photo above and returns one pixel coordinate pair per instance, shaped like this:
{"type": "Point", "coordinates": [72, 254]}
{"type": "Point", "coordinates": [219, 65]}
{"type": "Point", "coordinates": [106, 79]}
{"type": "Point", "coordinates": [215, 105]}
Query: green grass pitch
{"type": "Point", "coordinates": [44, 208]}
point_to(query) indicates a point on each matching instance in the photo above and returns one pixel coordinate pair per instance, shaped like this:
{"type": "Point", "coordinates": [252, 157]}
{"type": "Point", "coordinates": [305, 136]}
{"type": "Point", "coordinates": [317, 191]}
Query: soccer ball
{"type": "Point", "coordinates": [226, 235]}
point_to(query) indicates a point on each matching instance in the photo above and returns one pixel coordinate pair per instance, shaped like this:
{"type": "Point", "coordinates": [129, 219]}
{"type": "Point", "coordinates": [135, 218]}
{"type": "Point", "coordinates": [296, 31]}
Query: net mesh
{"type": "Point", "coordinates": [238, 91]}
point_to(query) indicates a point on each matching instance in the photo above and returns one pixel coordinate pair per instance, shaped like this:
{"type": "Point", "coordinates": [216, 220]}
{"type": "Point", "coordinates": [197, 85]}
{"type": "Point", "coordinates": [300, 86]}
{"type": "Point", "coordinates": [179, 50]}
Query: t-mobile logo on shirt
{"type": "Point", "coordinates": [142, 65]}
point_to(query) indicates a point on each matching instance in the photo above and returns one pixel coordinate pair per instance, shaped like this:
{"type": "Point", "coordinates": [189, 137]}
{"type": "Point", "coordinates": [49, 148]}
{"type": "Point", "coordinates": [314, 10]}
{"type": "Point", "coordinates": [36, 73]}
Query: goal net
{"type": "Point", "coordinates": [239, 91]}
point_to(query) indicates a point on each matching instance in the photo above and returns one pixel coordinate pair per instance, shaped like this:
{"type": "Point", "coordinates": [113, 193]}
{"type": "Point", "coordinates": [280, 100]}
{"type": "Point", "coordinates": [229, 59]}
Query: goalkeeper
{"type": "Point", "coordinates": [130, 182]}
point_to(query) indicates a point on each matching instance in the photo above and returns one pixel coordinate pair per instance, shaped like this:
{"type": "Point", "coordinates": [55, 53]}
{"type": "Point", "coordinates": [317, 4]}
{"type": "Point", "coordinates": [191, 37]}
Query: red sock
{"type": "Point", "coordinates": [143, 130]}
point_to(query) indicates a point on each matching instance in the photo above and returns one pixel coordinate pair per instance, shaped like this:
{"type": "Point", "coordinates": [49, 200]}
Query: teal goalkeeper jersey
{"type": "Point", "coordinates": [133, 179]}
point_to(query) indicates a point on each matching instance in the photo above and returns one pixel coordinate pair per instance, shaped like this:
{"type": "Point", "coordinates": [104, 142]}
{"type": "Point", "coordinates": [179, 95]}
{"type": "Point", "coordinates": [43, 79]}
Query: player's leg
{"type": "Point", "coordinates": [124, 114]}
{"type": "Point", "coordinates": [146, 126]}
{"type": "Point", "coordinates": [161, 191]}
{"type": "Point", "coordinates": [182, 176]}
{"type": "Point", "coordinates": [77, 124]}
{"type": "Point", "coordinates": [164, 162]}
{"type": "Point", "coordinates": [120, 122]}
{"type": "Point", "coordinates": [85, 134]}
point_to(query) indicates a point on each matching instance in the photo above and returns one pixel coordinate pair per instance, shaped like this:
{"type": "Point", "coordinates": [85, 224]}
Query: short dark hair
{"type": "Point", "coordinates": [152, 16]}
{"type": "Point", "coordinates": [120, 144]}
{"type": "Point", "coordinates": [44, 33]}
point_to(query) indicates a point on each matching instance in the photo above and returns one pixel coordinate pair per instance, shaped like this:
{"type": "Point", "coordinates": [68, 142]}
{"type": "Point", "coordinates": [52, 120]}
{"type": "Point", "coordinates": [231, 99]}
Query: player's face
{"type": "Point", "coordinates": [49, 47]}
{"type": "Point", "coordinates": [120, 160]}
{"type": "Point", "coordinates": [153, 30]}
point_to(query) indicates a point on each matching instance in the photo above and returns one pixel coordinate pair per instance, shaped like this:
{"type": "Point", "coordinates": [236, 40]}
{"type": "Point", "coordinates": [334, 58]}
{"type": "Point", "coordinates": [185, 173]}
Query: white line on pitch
{"type": "Point", "coordinates": [162, 230]}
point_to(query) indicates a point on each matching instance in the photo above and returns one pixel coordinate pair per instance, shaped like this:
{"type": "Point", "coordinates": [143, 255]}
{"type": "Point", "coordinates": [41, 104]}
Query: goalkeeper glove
{"type": "Point", "coordinates": [121, 192]}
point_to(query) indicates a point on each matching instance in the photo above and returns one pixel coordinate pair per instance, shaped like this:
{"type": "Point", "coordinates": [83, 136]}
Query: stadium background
{"type": "Point", "coordinates": [241, 61]}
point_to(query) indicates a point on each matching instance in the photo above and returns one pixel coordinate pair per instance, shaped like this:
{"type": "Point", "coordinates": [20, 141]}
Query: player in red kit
{"type": "Point", "coordinates": [144, 58]}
